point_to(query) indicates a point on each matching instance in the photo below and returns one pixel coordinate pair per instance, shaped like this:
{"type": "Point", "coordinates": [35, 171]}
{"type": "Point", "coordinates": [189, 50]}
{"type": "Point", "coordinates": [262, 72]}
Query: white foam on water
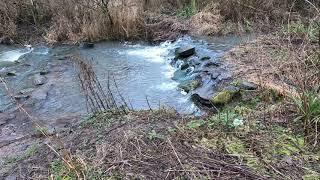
{"type": "Point", "coordinates": [14, 55]}
{"type": "Point", "coordinates": [167, 86]}
{"type": "Point", "coordinates": [152, 54]}
{"type": "Point", "coordinates": [168, 71]}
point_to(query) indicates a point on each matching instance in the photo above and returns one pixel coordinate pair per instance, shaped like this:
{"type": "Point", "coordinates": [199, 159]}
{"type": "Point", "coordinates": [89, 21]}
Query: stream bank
{"type": "Point", "coordinates": [44, 82]}
{"type": "Point", "coordinates": [252, 137]}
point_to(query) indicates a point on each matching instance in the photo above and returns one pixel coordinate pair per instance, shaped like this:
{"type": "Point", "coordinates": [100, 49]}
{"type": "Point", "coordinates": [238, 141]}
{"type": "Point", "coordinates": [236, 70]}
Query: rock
{"type": "Point", "coordinates": [210, 64]}
{"type": "Point", "coordinates": [215, 75]}
{"type": "Point", "coordinates": [26, 91]}
{"type": "Point", "coordinates": [62, 58]}
{"type": "Point", "coordinates": [39, 80]}
{"type": "Point", "coordinates": [184, 52]}
{"type": "Point", "coordinates": [232, 89]}
{"type": "Point", "coordinates": [205, 58]}
{"type": "Point", "coordinates": [87, 45]}
{"type": "Point", "coordinates": [21, 96]}
{"type": "Point", "coordinates": [11, 73]}
{"type": "Point", "coordinates": [245, 85]}
{"type": "Point", "coordinates": [199, 101]}
{"type": "Point", "coordinates": [184, 66]}
{"type": "Point", "coordinates": [225, 96]}
{"type": "Point", "coordinates": [207, 89]}
{"type": "Point", "coordinates": [44, 72]}
{"type": "Point", "coordinates": [189, 85]}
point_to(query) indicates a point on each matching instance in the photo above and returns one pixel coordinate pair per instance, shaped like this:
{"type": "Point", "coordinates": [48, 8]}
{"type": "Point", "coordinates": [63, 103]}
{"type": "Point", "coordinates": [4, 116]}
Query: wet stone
{"type": "Point", "coordinates": [26, 91]}
{"type": "Point", "coordinates": [205, 58]}
{"type": "Point", "coordinates": [184, 66]}
{"type": "Point", "coordinates": [21, 96]}
{"type": "Point", "coordinates": [11, 73]}
{"type": "Point", "coordinates": [39, 80]}
{"type": "Point", "coordinates": [184, 52]}
{"type": "Point", "coordinates": [87, 45]}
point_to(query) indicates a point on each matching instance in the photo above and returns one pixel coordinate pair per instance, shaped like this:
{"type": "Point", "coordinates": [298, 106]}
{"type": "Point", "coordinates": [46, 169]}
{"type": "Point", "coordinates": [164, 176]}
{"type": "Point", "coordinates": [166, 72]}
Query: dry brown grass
{"type": "Point", "coordinates": [71, 20]}
{"type": "Point", "coordinates": [273, 63]}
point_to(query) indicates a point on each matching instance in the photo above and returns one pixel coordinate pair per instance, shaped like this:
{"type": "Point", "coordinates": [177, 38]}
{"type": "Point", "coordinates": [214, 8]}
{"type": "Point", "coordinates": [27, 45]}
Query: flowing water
{"type": "Point", "coordinates": [141, 71]}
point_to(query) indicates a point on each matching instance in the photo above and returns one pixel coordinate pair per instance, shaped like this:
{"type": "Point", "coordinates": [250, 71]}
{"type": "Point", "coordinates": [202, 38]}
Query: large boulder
{"type": "Point", "coordinates": [185, 52]}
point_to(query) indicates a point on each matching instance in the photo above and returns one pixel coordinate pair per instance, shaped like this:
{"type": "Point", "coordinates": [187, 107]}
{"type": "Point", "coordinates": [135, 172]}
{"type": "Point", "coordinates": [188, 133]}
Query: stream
{"type": "Point", "coordinates": [140, 70]}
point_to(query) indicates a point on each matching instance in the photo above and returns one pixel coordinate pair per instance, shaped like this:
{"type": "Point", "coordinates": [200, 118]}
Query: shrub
{"type": "Point", "coordinates": [307, 109]}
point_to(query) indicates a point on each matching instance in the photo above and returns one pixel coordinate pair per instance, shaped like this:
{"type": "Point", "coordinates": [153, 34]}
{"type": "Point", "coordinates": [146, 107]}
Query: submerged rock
{"type": "Point", "coordinates": [39, 80]}
{"type": "Point", "coordinates": [184, 52]}
{"type": "Point", "coordinates": [179, 75]}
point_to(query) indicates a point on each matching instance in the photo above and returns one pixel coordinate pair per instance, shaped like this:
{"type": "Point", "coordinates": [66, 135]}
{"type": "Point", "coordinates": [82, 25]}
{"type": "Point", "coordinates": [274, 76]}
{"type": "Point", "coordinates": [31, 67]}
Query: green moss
{"type": "Point", "coordinates": [235, 146]}
{"type": "Point", "coordinates": [102, 120]}
{"type": "Point", "coordinates": [223, 97]}
{"type": "Point", "coordinates": [189, 85]}
{"type": "Point", "coordinates": [255, 164]}
{"type": "Point", "coordinates": [209, 143]}
{"type": "Point", "coordinates": [242, 110]}
{"type": "Point", "coordinates": [286, 144]}
{"type": "Point", "coordinates": [195, 124]}
{"type": "Point", "coordinates": [311, 177]}
{"type": "Point", "coordinates": [154, 135]}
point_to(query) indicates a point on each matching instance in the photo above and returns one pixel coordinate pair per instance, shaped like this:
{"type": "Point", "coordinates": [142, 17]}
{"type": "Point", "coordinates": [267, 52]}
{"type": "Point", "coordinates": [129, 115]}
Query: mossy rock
{"type": "Point", "coordinates": [225, 96]}
{"type": "Point", "coordinates": [189, 85]}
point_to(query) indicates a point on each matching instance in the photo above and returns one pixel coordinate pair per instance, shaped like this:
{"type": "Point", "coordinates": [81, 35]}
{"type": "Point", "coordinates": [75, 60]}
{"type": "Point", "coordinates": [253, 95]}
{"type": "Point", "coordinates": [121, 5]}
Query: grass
{"type": "Point", "coordinates": [308, 113]}
{"type": "Point", "coordinates": [31, 151]}
{"type": "Point", "coordinates": [298, 29]}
